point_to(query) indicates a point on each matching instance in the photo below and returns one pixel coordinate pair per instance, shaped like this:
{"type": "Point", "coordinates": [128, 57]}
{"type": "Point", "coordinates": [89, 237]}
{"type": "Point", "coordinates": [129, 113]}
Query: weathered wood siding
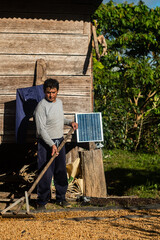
{"type": "Point", "coordinates": [63, 41]}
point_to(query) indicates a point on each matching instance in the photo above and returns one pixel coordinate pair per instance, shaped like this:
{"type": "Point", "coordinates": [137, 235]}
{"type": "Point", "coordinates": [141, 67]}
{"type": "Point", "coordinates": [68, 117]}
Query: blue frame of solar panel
{"type": "Point", "coordinates": [89, 127]}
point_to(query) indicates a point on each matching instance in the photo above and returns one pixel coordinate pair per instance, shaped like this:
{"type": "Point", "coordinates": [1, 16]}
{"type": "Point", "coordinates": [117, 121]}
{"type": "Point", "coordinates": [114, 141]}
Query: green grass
{"type": "Point", "coordinates": [130, 173]}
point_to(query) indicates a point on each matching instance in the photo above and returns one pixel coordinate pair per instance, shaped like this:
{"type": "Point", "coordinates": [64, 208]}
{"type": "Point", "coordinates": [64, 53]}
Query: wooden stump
{"type": "Point", "coordinates": [94, 184]}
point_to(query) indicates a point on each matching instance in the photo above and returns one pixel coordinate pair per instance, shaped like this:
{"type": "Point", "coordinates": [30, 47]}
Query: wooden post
{"type": "Point", "coordinates": [96, 42]}
{"type": "Point", "coordinates": [94, 184]}
{"type": "Point", "coordinates": [41, 74]}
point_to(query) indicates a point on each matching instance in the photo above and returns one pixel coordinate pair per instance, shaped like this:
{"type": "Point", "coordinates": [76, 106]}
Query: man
{"type": "Point", "coordinates": [50, 121]}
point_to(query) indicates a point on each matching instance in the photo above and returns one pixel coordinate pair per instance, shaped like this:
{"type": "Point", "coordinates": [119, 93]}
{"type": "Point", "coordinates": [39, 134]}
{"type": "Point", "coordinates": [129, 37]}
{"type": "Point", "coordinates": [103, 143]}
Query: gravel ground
{"type": "Point", "coordinates": [108, 218]}
{"type": "Point", "coordinates": [97, 225]}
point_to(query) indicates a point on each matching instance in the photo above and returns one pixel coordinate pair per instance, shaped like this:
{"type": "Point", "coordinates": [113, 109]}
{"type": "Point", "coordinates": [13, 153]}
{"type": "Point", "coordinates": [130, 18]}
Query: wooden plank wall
{"type": "Point", "coordinates": [65, 47]}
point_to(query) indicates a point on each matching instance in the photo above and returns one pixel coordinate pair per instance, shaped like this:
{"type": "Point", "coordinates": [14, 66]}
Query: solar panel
{"type": "Point", "coordinates": [89, 127]}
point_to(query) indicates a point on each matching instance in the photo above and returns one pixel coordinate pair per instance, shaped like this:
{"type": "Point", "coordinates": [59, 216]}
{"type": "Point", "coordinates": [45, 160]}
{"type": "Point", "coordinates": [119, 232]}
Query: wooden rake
{"type": "Point", "coordinates": [22, 200]}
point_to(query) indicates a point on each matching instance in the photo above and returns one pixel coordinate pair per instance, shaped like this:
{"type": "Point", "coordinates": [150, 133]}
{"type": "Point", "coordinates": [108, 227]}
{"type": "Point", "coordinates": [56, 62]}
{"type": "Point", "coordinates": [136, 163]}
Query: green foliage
{"type": "Point", "coordinates": [132, 173]}
{"type": "Point", "coordinates": [127, 79]}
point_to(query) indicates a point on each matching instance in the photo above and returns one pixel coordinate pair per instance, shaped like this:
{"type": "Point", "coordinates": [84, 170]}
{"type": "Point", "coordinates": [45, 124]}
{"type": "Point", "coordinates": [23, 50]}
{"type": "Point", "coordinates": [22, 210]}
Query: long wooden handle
{"type": "Point", "coordinates": [49, 163]}
{"type": "Point", "coordinates": [22, 199]}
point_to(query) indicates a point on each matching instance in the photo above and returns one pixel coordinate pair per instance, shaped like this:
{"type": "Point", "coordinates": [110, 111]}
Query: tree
{"type": "Point", "coordinates": [127, 79]}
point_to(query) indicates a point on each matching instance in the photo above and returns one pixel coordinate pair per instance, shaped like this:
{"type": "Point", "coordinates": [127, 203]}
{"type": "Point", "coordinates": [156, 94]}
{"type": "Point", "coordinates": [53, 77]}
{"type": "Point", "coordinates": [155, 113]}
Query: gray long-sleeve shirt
{"type": "Point", "coordinates": [50, 120]}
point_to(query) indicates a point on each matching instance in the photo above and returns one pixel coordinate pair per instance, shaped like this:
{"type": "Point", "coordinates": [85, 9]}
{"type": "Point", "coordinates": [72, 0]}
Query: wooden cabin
{"type": "Point", "coordinates": [39, 40]}
{"type": "Point", "coordinates": [58, 33]}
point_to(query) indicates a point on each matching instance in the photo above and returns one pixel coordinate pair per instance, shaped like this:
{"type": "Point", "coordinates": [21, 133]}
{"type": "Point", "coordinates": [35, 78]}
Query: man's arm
{"type": "Point", "coordinates": [54, 148]}
{"type": "Point", "coordinates": [74, 125]}
{"type": "Point", "coordinates": [68, 122]}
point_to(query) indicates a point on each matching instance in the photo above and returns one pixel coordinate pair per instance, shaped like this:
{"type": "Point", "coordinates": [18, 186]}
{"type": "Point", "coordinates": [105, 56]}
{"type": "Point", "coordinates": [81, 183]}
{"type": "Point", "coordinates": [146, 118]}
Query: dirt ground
{"type": "Point", "coordinates": [110, 218]}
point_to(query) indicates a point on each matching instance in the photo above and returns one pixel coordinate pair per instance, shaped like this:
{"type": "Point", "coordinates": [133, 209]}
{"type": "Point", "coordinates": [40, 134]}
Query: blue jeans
{"type": "Point", "coordinates": [57, 170]}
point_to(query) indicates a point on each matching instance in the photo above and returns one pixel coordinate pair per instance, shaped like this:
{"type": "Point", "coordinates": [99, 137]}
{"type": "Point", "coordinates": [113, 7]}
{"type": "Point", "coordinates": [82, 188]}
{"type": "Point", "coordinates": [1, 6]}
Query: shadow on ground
{"type": "Point", "coordinates": [121, 180]}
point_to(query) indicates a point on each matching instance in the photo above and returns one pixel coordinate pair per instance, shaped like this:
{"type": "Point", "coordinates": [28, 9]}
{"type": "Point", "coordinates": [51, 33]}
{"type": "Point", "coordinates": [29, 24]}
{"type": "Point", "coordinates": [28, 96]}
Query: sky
{"type": "Point", "coordinates": [149, 3]}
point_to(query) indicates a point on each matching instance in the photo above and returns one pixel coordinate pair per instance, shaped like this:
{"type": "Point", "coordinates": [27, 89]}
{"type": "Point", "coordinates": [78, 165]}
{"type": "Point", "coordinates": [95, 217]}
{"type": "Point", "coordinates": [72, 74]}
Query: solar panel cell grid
{"type": "Point", "coordinates": [89, 127]}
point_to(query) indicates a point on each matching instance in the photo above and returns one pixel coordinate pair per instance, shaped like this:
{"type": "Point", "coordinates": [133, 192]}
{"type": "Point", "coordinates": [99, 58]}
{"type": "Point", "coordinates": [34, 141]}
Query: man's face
{"type": "Point", "coordinates": [51, 94]}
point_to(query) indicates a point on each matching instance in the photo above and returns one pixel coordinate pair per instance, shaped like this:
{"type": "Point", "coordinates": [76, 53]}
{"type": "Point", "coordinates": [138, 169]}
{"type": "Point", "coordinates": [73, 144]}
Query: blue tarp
{"type": "Point", "coordinates": [26, 102]}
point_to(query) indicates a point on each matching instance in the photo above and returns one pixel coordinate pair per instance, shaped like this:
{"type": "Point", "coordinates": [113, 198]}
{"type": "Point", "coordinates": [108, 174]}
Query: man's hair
{"type": "Point", "coordinates": [51, 83]}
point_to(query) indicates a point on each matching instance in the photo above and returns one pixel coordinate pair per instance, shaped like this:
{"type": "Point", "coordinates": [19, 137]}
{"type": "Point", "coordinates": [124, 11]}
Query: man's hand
{"type": "Point", "coordinates": [74, 125]}
{"type": "Point", "coordinates": [54, 150]}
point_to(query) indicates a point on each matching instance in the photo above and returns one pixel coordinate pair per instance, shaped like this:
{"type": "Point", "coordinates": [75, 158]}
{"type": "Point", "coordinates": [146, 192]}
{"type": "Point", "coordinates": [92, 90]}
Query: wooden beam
{"type": "Point", "coordinates": [44, 43]}
{"type": "Point", "coordinates": [24, 65]}
{"type": "Point", "coordinates": [49, 25]}
{"type": "Point", "coordinates": [70, 85]}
